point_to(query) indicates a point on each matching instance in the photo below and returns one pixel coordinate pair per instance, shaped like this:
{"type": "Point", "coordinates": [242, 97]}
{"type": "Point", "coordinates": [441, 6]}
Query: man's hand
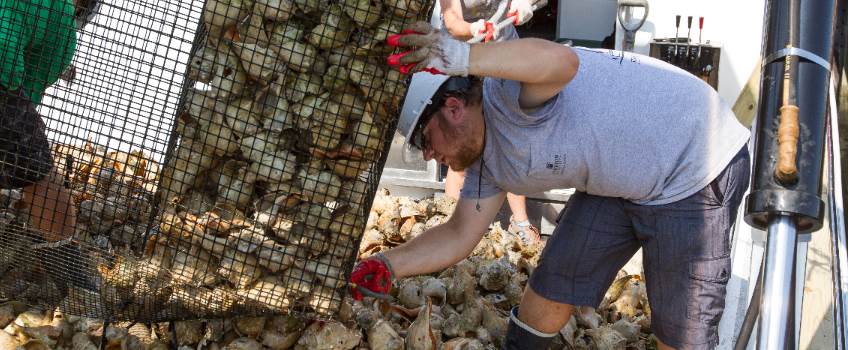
{"type": "Point", "coordinates": [522, 10]}
{"type": "Point", "coordinates": [374, 274]}
{"type": "Point", "coordinates": [433, 50]}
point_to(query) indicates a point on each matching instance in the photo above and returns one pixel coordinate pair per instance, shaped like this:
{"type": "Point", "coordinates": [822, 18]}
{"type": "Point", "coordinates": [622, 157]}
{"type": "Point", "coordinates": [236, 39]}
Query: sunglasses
{"type": "Point", "coordinates": [417, 139]}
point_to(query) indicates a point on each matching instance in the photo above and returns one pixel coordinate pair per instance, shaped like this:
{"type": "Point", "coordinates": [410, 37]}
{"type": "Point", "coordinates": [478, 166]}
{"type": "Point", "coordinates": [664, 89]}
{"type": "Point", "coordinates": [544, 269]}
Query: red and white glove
{"type": "Point", "coordinates": [482, 31]}
{"type": "Point", "coordinates": [522, 10]}
{"type": "Point", "coordinates": [431, 50]}
{"type": "Point", "coordinates": [374, 274]}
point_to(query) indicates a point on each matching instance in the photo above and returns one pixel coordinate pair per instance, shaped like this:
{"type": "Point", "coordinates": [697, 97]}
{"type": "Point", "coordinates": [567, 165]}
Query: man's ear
{"type": "Point", "coordinates": [453, 109]}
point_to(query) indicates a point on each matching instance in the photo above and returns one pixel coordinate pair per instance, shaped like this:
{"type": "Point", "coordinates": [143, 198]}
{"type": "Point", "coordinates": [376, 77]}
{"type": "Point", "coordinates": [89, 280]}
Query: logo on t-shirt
{"type": "Point", "coordinates": [556, 164]}
{"type": "Point", "coordinates": [622, 57]}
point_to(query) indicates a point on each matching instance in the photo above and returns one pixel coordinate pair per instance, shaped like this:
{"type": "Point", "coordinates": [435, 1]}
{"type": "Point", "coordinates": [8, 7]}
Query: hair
{"type": "Point", "coordinates": [472, 95]}
{"type": "Point", "coordinates": [470, 92]}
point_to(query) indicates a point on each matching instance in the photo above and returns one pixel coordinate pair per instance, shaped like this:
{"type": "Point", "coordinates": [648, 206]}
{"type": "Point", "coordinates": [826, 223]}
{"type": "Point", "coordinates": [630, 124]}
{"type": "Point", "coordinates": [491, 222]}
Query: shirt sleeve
{"type": "Point", "coordinates": [476, 186]}
{"type": "Point", "coordinates": [14, 36]}
{"type": "Point", "coordinates": [501, 96]}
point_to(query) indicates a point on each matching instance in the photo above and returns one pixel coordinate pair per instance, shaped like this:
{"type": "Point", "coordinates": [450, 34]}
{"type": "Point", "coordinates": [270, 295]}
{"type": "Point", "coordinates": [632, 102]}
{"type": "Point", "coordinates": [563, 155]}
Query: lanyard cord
{"type": "Point", "coordinates": [482, 162]}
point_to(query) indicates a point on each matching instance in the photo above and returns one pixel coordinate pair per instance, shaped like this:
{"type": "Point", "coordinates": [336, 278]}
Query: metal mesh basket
{"type": "Point", "coordinates": [222, 171]}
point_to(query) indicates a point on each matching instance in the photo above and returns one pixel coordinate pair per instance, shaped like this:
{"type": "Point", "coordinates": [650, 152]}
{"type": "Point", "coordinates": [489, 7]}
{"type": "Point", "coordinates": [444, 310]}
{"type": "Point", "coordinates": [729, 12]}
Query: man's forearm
{"type": "Point", "coordinates": [528, 60]}
{"type": "Point", "coordinates": [436, 249]}
{"type": "Point", "coordinates": [542, 67]}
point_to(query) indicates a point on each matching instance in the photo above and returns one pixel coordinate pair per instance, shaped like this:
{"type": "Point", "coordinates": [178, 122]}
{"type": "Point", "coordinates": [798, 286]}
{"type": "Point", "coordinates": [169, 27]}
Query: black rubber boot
{"type": "Point", "coordinates": [520, 336]}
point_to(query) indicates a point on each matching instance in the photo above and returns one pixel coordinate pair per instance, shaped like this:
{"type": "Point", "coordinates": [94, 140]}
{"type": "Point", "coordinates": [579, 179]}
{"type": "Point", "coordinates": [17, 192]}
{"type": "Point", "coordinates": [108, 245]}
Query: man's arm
{"type": "Point", "coordinates": [543, 67]}
{"type": "Point", "coordinates": [445, 245]}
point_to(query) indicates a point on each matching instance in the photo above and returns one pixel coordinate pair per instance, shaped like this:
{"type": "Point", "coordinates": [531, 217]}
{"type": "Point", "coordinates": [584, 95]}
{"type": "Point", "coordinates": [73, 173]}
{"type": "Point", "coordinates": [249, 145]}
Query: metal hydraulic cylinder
{"type": "Point", "coordinates": [798, 41]}
{"type": "Point", "coordinates": [774, 331]}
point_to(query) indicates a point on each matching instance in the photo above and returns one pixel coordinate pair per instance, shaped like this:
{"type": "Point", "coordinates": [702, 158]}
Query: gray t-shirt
{"type": "Point", "coordinates": [627, 126]}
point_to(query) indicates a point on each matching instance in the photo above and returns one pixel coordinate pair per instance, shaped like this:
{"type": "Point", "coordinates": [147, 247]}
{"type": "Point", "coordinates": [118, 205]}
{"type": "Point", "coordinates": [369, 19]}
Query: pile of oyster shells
{"type": "Point", "coordinates": [467, 305]}
{"type": "Point", "coordinates": [462, 307]}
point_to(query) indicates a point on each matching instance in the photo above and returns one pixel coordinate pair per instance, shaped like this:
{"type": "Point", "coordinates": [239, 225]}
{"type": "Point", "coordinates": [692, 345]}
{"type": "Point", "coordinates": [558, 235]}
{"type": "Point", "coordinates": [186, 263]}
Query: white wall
{"type": "Point", "coordinates": [737, 25]}
{"type": "Point", "coordinates": [585, 19]}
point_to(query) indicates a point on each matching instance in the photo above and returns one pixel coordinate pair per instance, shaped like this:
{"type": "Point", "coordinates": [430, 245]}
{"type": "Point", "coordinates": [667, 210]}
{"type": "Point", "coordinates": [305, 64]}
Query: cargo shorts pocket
{"type": "Point", "coordinates": [707, 288]}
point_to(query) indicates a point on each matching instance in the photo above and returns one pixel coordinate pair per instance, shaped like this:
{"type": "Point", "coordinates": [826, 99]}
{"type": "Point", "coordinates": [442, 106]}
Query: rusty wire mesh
{"type": "Point", "coordinates": [220, 158]}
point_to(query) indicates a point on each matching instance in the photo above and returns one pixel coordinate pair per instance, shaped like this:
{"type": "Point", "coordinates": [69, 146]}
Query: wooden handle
{"type": "Point", "coordinates": [786, 170]}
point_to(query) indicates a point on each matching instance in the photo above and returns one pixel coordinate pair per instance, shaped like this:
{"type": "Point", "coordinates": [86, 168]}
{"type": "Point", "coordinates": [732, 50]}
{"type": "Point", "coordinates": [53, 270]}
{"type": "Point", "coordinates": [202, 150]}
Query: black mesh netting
{"type": "Point", "coordinates": [196, 173]}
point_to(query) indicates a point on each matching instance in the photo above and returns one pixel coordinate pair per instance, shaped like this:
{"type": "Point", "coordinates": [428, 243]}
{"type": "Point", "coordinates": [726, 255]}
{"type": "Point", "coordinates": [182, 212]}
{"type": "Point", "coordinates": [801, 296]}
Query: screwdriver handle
{"type": "Point", "coordinates": [701, 23]}
{"type": "Point", "coordinates": [677, 21]}
{"type": "Point", "coordinates": [689, 19]}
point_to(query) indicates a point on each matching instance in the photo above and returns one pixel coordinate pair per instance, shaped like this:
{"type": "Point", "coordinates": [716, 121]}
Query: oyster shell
{"type": "Point", "coordinates": [381, 336]}
{"type": "Point", "coordinates": [365, 13]}
{"type": "Point", "coordinates": [328, 335]}
{"type": "Point", "coordinates": [420, 335]}
{"type": "Point", "coordinates": [218, 14]}
{"type": "Point", "coordinates": [275, 10]}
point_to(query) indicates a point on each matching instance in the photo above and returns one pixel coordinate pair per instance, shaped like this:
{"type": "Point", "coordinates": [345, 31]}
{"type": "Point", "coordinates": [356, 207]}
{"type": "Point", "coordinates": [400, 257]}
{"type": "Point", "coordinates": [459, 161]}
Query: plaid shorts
{"type": "Point", "coordinates": [25, 156]}
{"type": "Point", "coordinates": [686, 247]}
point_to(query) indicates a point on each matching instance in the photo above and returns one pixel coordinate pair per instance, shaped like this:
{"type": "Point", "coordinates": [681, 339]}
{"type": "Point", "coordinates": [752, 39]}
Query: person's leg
{"type": "Point", "coordinates": [26, 162]}
{"type": "Point", "coordinates": [519, 223]}
{"type": "Point", "coordinates": [687, 259]}
{"type": "Point", "coordinates": [453, 183]}
{"type": "Point", "coordinates": [534, 324]}
{"type": "Point", "coordinates": [592, 241]}
{"type": "Point", "coordinates": [50, 207]}
{"type": "Point", "coordinates": [53, 213]}
{"type": "Point", "coordinates": [518, 206]}
{"type": "Point", "coordinates": [542, 314]}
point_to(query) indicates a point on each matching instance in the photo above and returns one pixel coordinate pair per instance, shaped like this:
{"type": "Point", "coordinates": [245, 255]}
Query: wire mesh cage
{"type": "Point", "coordinates": [199, 159]}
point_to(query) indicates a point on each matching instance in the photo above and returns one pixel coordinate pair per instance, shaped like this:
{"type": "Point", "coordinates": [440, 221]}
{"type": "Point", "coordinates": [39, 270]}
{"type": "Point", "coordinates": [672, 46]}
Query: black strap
{"type": "Point", "coordinates": [482, 161]}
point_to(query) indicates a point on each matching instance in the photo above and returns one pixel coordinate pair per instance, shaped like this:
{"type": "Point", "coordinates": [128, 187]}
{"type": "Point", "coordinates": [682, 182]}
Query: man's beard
{"type": "Point", "coordinates": [468, 150]}
{"type": "Point", "coordinates": [467, 156]}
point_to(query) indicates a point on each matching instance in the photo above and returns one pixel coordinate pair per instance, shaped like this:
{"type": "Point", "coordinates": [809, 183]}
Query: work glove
{"type": "Point", "coordinates": [521, 10]}
{"type": "Point", "coordinates": [482, 30]}
{"type": "Point", "coordinates": [373, 274]}
{"type": "Point", "coordinates": [431, 50]}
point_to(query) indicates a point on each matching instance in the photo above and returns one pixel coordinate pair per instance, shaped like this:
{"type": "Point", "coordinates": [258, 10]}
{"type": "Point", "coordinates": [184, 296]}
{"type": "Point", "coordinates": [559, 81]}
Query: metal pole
{"type": "Point", "coordinates": [777, 283]}
{"type": "Point", "coordinates": [801, 251]}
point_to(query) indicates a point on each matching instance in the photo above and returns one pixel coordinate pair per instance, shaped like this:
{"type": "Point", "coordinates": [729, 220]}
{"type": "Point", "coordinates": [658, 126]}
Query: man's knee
{"type": "Point", "coordinates": [543, 314]}
{"type": "Point", "coordinates": [536, 322]}
{"type": "Point", "coordinates": [520, 335]}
